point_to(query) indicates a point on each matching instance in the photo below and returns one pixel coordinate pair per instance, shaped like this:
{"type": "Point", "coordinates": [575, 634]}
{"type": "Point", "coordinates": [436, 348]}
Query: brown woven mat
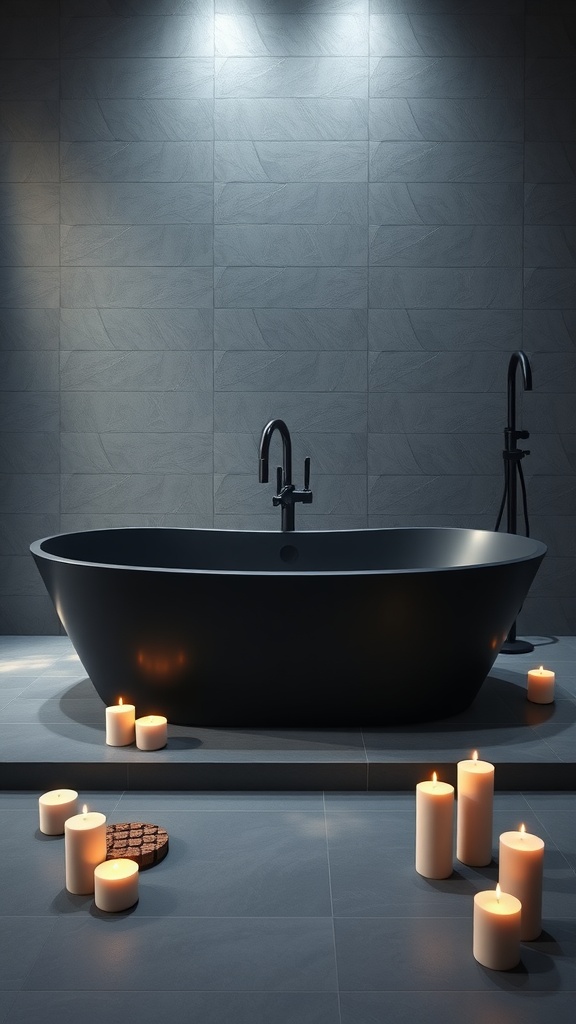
{"type": "Point", "coordinates": [146, 844]}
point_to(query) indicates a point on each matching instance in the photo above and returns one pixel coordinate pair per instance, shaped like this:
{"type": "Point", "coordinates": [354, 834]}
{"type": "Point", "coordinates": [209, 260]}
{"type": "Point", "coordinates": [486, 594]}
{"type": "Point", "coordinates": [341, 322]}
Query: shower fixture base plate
{"type": "Point", "coordinates": [516, 647]}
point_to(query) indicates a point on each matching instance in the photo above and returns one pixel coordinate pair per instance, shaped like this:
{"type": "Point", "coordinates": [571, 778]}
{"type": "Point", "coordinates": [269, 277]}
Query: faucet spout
{"type": "Point", "coordinates": [263, 466]}
{"type": "Point", "coordinates": [517, 359]}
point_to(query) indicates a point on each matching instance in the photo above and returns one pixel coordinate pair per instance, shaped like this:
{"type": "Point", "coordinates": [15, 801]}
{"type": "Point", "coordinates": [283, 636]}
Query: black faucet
{"type": "Point", "coordinates": [513, 456]}
{"type": "Point", "coordinates": [512, 453]}
{"type": "Point", "coordinates": [287, 494]}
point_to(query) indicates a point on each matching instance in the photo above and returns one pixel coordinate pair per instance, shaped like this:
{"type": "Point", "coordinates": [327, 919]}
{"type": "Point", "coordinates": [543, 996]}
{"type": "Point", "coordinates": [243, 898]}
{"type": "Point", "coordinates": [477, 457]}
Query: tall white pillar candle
{"type": "Point", "coordinates": [116, 885]}
{"type": "Point", "coordinates": [434, 828]}
{"type": "Point", "coordinates": [475, 783]}
{"type": "Point", "coordinates": [120, 718]}
{"type": "Point", "coordinates": [496, 937]}
{"type": "Point", "coordinates": [53, 809]}
{"type": "Point", "coordinates": [541, 685]}
{"type": "Point", "coordinates": [521, 866]}
{"type": "Point", "coordinates": [151, 732]}
{"type": "Point", "coordinates": [85, 847]}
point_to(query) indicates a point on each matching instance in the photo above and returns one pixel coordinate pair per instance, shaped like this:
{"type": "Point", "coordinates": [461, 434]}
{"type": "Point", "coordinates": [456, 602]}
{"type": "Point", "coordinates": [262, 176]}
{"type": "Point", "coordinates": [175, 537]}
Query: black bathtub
{"type": "Point", "coordinates": [355, 627]}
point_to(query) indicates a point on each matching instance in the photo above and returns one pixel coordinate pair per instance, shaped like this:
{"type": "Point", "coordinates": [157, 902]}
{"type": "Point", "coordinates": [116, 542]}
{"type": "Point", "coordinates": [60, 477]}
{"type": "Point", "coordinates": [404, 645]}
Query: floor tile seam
{"type": "Point", "coordinates": [559, 759]}
{"type": "Point", "coordinates": [552, 843]}
{"type": "Point", "coordinates": [179, 991]}
{"type": "Point", "coordinates": [331, 897]}
{"type": "Point", "coordinates": [492, 993]}
{"type": "Point", "coordinates": [40, 954]}
{"type": "Point", "coordinates": [170, 918]}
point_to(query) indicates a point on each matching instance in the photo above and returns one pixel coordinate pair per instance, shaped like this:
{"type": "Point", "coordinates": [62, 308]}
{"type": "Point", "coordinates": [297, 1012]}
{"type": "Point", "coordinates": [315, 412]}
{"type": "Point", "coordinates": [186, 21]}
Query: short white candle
{"type": "Point", "coordinates": [53, 809]}
{"type": "Point", "coordinates": [541, 685]}
{"type": "Point", "coordinates": [496, 939]}
{"type": "Point", "coordinates": [521, 867]}
{"type": "Point", "coordinates": [120, 719]}
{"type": "Point", "coordinates": [474, 811]}
{"type": "Point", "coordinates": [151, 732]}
{"type": "Point", "coordinates": [85, 847]}
{"type": "Point", "coordinates": [434, 828]}
{"type": "Point", "coordinates": [116, 885]}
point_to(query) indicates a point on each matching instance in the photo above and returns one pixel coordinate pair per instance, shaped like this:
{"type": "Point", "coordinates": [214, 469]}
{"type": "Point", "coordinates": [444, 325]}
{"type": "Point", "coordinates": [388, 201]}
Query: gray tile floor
{"type": "Point", "coordinates": [278, 907]}
{"type": "Point", "coordinates": [275, 908]}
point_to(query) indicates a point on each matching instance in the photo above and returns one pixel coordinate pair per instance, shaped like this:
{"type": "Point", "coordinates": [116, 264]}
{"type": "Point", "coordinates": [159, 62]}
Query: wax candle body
{"type": "Point", "coordinates": [53, 809]}
{"type": "Point", "coordinates": [116, 885]}
{"type": "Point", "coordinates": [521, 865]}
{"type": "Point", "coordinates": [151, 732]}
{"type": "Point", "coordinates": [541, 685]}
{"type": "Point", "coordinates": [120, 729]}
{"type": "Point", "coordinates": [474, 812]}
{"type": "Point", "coordinates": [496, 941]}
{"type": "Point", "coordinates": [85, 847]}
{"type": "Point", "coordinates": [434, 829]}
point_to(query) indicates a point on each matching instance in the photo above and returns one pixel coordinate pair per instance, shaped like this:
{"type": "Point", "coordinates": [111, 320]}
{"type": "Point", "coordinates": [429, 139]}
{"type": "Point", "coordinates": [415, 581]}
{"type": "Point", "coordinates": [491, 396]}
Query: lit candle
{"type": "Point", "coordinates": [496, 938]}
{"type": "Point", "coordinates": [116, 885]}
{"type": "Point", "coordinates": [85, 847]}
{"type": "Point", "coordinates": [151, 732]}
{"type": "Point", "coordinates": [434, 828]}
{"type": "Point", "coordinates": [541, 685]}
{"type": "Point", "coordinates": [474, 811]}
{"type": "Point", "coordinates": [53, 809]}
{"type": "Point", "coordinates": [521, 860]}
{"type": "Point", "coordinates": [120, 724]}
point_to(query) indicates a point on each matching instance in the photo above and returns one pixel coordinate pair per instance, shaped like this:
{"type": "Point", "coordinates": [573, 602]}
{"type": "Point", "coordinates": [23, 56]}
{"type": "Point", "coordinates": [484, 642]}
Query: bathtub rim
{"type": "Point", "coordinates": [538, 550]}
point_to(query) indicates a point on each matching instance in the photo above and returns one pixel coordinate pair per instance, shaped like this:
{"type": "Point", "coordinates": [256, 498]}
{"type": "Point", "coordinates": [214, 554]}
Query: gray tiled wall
{"type": "Point", "coordinates": [347, 213]}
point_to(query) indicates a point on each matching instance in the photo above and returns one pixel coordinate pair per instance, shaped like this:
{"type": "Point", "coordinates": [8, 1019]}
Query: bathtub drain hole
{"type": "Point", "coordinates": [288, 553]}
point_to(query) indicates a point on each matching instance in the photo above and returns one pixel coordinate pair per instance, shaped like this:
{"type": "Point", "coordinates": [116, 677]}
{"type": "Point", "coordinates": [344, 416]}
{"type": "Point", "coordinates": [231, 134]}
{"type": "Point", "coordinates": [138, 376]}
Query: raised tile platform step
{"type": "Point", "coordinates": [52, 734]}
{"type": "Point", "coordinates": [284, 776]}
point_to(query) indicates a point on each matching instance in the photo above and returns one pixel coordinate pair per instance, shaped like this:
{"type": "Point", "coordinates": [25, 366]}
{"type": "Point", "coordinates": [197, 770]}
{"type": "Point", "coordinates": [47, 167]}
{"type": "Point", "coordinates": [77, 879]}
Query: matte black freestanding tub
{"type": "Point", "coordinates": [217, 627]}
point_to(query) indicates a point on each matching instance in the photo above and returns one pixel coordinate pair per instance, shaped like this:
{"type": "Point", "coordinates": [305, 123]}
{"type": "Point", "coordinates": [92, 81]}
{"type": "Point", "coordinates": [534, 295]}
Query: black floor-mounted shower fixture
{"type": "Point", "coordinates": [513, 456]}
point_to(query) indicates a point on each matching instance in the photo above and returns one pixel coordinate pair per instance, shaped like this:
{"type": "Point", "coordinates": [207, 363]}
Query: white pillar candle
{"type": "Point", "coordinates": [85, 847]}
{"type": "Point", "coordinates": [496, 936]}
{"type": "Point", "coordinates": [434, 828]}
{"type": "Point", "coordinates": [541, 685]}
{"type": "Point", "coordinates": [474, 811]}
{"type": "Point", "coordinates": [116, 885]}
{"type": "Point", "coordinates": [521, 867]}
{"type": "Point", "coordinates": [53, 809]}
{"type": "Point", "coordinates": [120, 729]}
{"type": "Point", "coordinates": [151, 732]}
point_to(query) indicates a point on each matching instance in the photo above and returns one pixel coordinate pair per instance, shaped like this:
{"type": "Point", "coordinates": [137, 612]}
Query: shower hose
{"type": "Point", "coordinates": [514, 456]}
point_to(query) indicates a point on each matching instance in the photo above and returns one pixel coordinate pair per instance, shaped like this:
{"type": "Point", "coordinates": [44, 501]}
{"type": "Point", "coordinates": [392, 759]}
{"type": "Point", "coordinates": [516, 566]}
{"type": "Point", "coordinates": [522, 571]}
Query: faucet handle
{"type": "Point", "coordinates": [307, 473]}
{"type": "Point", "coordinates": [278, 479]}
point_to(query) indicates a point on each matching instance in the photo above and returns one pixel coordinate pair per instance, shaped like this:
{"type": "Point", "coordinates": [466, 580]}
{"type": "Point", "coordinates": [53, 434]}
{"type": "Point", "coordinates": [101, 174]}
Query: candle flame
{"type": "Point", "coordinates": [115, 865]}
{"type": "Point", "coordinates": [475, 756]}
{"type": "Point", "coordinates": [498, 893]}
{"type": "Point", "coordinates": [434, 778]}
{"type": "Point", "coordinates": [541, 669]}
{"type": "Point", "coordinates": [85, 809]}
{"type": "Point", "coordinates": [120, 701]}
{"type": "Point", "coordinates": [522, 831]}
